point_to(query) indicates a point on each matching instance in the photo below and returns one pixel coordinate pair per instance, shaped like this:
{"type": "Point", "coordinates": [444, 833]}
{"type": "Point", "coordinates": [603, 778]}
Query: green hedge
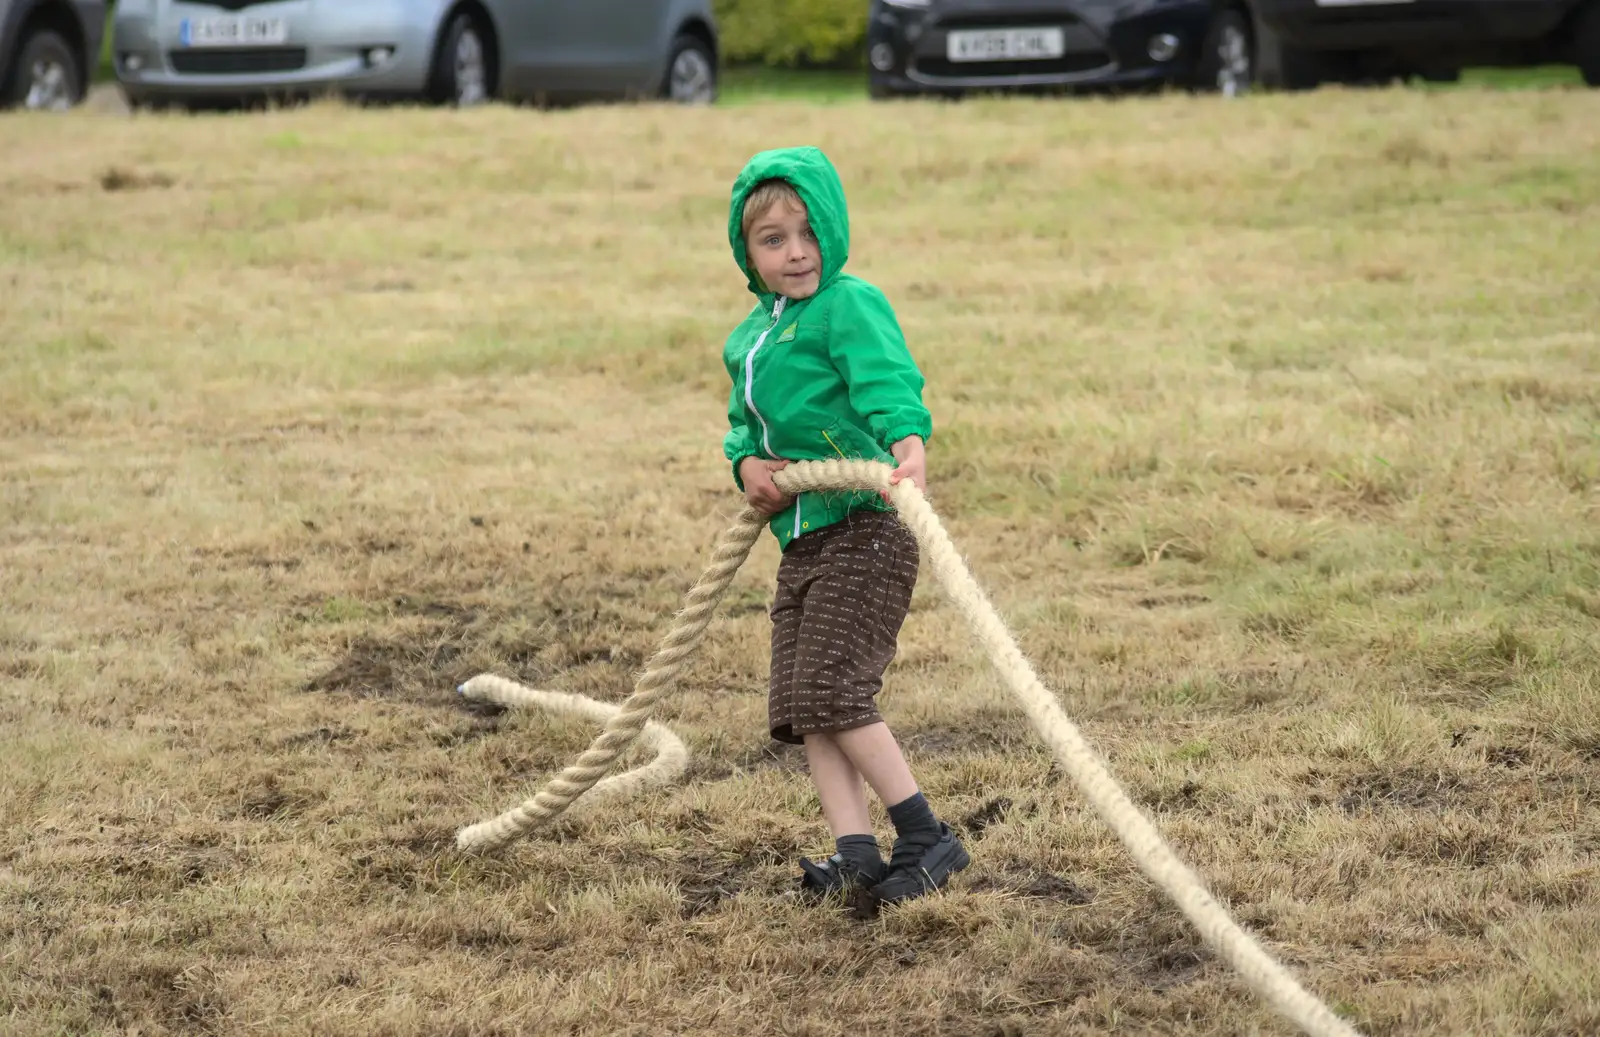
{"type": "Point", "coordinates": [792, 33]}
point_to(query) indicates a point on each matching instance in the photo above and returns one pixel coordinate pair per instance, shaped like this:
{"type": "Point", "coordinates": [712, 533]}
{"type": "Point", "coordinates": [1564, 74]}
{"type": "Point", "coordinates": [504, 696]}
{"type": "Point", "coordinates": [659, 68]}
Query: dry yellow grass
{"type": "Point", "coordinates": [1271, 427]}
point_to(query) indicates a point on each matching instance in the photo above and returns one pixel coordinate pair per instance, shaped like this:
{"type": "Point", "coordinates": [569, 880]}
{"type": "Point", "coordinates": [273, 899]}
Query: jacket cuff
{"type": "Point", "coordinates": [896, 433]}
{"type": "Point", "coordinates": [736, 461]}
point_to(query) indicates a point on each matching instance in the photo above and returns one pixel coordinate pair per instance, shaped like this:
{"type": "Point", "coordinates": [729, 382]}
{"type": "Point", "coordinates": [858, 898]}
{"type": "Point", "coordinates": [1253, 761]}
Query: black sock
{"type": "Point", "coordinates": [860, 850]}
{"type": "Point", "coordinates": [914, 822]}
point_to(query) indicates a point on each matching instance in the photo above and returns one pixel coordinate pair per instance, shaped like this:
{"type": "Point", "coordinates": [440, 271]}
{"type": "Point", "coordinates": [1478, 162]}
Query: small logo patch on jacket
{"type": "Point", "coordinates": [788, 333]}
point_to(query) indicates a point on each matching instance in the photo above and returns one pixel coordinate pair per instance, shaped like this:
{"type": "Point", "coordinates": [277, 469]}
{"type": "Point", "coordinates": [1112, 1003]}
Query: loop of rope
{"type": "Point", "coordinates": [671, 755]}
{"type": "Point", "coordinates": [1264, 973]}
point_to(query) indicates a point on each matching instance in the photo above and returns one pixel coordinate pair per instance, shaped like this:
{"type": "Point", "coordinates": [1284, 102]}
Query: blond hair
{"type": "Point", "coordinates": [766, 194]}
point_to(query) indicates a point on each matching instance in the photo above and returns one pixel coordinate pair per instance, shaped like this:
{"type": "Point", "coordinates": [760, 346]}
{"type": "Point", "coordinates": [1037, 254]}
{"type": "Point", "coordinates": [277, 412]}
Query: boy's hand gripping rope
{"type": "Point", "coordinates": [1155, 858]}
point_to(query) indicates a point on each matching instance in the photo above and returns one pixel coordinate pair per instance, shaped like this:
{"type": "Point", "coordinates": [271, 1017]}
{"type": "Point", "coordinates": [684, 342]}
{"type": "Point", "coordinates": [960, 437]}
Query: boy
{"type": "Point", "coordinates": [820, 369]}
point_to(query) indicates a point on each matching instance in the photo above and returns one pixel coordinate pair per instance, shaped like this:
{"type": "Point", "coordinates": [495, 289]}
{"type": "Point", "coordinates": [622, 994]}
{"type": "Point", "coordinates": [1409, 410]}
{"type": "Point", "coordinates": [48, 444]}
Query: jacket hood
{"type": "Point", "coordinates": [813, 177]}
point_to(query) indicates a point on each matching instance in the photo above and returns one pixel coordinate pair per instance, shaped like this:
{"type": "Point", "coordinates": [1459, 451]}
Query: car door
{"type": "Point", "coordinates": [617, 44]}
{"type": "Point", "coordinates": [1356, 23]}
{"type": "Point", "coordinates": [1498, 21]}
{"type": "Point", "coordinates": [536, 39]}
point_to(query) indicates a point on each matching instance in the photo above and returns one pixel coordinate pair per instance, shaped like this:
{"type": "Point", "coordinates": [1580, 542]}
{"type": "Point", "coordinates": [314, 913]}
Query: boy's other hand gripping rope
{"type": "Point", "coordinates": [1155, 858]}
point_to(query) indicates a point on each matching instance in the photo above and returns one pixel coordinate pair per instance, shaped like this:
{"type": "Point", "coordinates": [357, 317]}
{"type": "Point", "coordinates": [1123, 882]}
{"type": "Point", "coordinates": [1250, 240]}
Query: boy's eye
{"type": "Point", "coordinates": [773, 240]}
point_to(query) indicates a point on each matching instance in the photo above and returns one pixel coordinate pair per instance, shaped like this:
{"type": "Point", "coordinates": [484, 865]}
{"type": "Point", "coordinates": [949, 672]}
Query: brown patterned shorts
{"type": "Point", "coordinates": [843, 593]}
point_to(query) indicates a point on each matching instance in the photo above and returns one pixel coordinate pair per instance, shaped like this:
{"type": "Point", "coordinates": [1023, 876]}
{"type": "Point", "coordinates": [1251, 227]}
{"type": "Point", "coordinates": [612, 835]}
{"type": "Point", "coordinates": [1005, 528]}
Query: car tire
{"type": "Point", "coordinates": [463, 68]}
{"type": "Point", "coordinates": [691, 76]}
{"type": "Point", "coordinates": [1227, 62]}
{"type": "Point", "coordinates": [47, 75]}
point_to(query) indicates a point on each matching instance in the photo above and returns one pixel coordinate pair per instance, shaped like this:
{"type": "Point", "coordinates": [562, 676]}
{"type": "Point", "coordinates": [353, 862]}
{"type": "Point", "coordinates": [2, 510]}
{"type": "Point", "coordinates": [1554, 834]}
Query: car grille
{"type": "Point", "coordinates": [1072, 61]}
{"type": "Point", "coordinates": [243, 61]}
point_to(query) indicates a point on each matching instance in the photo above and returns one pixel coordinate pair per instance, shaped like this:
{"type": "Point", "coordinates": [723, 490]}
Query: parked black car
{"type": "Point", "coordinates": [1299, 44]}
{"type": "Point", "coordinates": [48, 50]}
{"type": "Point", "coordinates": [952, 47]}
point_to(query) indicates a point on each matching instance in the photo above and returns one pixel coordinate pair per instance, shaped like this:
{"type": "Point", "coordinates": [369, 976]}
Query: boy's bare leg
{"type": "Point", "coordinates": [875, 753]}
{"type": "Point", "coordinates": [839, 787]}
{"type": "Point", "coordinates": [844, 806]}
{"type": "Point", "coordinates": [877, 756]}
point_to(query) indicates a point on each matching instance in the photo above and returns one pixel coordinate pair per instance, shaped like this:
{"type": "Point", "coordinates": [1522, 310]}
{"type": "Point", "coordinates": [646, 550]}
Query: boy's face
{"type": "Point", "coordinates": [784, 251]}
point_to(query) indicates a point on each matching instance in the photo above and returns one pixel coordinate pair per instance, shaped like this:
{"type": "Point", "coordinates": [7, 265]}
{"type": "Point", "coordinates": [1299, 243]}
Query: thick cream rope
{"type": "Point", "coordinates": [671, 756]}
{"type": "Point", "coordinates": [1155, 858]}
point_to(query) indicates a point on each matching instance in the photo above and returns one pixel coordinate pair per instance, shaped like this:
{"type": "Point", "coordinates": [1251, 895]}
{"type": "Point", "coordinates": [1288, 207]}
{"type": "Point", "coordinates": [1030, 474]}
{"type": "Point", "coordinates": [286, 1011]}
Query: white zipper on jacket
{"type": "Point", "coordinates": [750, 373]}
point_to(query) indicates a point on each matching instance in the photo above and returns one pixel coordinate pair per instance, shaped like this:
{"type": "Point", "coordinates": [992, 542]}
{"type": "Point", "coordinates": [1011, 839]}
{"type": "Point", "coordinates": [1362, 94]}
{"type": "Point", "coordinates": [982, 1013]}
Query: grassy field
{"type": "Point", "coordinates": [1270, 426]}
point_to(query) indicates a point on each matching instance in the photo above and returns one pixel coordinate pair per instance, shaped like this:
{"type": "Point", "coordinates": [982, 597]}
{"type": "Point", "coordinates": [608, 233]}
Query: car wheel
{"type": "Point", "coordinates": [46, 76]}
{"type": "Point", "coordinates": [1227, 58]}
{"type": "Point", "coordinates": [462, 73]}
{"type": "Point", "coordinates": [691, 72]}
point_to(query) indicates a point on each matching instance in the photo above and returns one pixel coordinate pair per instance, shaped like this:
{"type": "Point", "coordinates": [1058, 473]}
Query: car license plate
{"type": "Point", "coordinates": [232, 32]}
{"type": "Point", "coordinates": [1006, 45]}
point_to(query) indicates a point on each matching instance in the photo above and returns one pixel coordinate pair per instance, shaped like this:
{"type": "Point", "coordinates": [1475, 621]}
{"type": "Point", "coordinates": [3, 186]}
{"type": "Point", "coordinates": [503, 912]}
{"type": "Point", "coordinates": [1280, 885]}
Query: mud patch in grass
{"type": "Point", "coordinates": [267, 799]}
{"type": "Point", "coordinates": [156, 866]}
{"type": "Point", "coordinates": [974, 824]}
{"type": "Point", "coordinates": [707, 882]}
{"type": "Point", "coordinates": [1410, 789]}
{"type": "Point", "coordinates": [479, 724]}
{"type": "Point", "coordinates": [119, 178]}
{"type": "Point", "coordinates": [428, 649]}
{"type": "Point", "coordinates": [157, 995]}
{"type": "Point", "coordinates": [316, 737]}
{"type": "Point", "coordinates": [1508, 756]}
{"type": "Point", "coordinates": [773, 756]}
{"type": "Point", "coordinates": [981, 734]}
{"type": "Point", "coordinates": [1034, 885]}
{"type": "Point", "coordinates": [1171, 968]}
{"type": "Point", "coordinates": [426, 666]}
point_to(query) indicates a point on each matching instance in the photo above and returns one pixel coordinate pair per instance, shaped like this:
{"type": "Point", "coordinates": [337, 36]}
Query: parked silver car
{"type": "Point", "coordinates": [459, 52]}
{"type": "Point", "coordinates": [48, 50]}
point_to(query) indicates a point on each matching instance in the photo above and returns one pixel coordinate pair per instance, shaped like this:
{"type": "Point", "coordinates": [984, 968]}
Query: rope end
{"type": "Point", "coordinates": [487, 836]}
{"type": "Point", "coordinates": [474, 688]}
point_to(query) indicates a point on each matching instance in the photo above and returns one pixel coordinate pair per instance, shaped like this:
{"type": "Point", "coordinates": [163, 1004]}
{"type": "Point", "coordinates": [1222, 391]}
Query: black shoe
{"type": "Point", "coordinates": [914, 871]}
{"type": "Point", "coordinates": [838, 874]}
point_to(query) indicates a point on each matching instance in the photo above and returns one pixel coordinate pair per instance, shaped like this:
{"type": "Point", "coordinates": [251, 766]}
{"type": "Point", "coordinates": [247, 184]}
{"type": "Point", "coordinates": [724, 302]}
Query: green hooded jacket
{"type": "Point", "coordinates": [829, 376]}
